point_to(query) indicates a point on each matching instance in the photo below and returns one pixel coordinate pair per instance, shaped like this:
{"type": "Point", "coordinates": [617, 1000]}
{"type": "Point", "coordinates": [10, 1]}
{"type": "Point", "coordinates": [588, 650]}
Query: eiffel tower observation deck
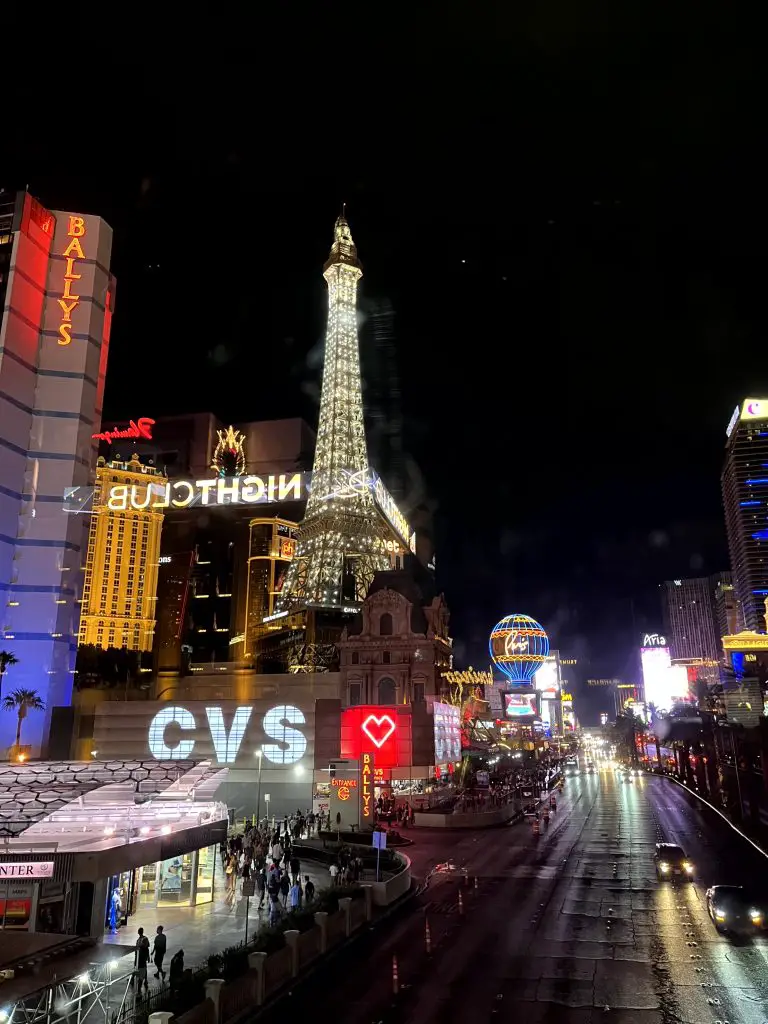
{"type": "Point", "coordinates": [345, 537]}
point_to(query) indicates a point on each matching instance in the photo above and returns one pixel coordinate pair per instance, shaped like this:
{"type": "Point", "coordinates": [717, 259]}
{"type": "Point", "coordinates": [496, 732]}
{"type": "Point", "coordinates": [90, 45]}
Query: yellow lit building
{"type": "Point", "coordinates": [271, 548]}
{"type": "Point", "coordinates": [120, 588]}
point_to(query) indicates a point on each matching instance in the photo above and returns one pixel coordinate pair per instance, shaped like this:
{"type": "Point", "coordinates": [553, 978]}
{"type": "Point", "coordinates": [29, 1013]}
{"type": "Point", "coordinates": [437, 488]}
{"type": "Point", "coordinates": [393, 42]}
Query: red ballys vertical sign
{"type": "Point", "coordinates": [69, 301]}
{"type": "Point", "coordinates": [366, 789]}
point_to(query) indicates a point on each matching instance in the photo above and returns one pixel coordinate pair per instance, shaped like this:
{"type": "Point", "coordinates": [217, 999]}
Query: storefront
{"type": "Point", "coordinates": [184, 880]}
{"type": "Point", "coordinates": [115, 849]}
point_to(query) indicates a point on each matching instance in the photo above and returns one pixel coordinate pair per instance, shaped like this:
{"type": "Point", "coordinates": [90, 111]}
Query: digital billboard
{"type": "Point", "coordinates": [520, 705]}
{"type": "Point", "coordinates": [447, 726]}
{"type": "Point", "coordinates": [665, 684]}
{"type": "Point", "coordinates": [547, 680]}
{"type": "Point", "coordinates": [376, 729]}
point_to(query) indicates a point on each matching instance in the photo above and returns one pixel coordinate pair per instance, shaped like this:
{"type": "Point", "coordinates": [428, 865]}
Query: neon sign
{"type": "Point", "coordinates": [654, 640]}
{"type": "Point", "coordinates": [469, 677]}
{"type": "Point", "coordinates": [141, 428]}
{"type": "Point", "coordinates": [68, 301]}
{"type": "Point", "coordinates": [247, 490]}
{"type": "Point", "coordinates": [366, 788]}
{"type": "Point", "coordinates": [378, 729]}
{"type": "Point", "coordinates": [278, 724]}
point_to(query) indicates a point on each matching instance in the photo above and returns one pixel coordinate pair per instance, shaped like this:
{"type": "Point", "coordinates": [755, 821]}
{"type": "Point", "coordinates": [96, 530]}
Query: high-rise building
{"type": "Point", "coordinates": [727, 616]}
{"type": "Point", "coordinates": [745, 496]}
{"type": "Point", "coordinates": [119, 605]}
{"type": "Point", "coordinates": [342, 539]}
{"type": "Point", "coordinates": [271, 547]}
{"type": "Point", "coordinates": [56, 303]}
{"type": "Point", "coordinates": [689, 619]}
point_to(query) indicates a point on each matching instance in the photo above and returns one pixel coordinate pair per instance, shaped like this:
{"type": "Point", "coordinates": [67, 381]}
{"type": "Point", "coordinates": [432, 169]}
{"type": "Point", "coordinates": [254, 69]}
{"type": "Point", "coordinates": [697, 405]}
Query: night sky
{"type": "Point", "coordinates": [567, 215]}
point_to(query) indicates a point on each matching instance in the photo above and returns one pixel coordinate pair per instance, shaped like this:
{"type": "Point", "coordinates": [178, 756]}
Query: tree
{"type": "Point", "coordinates": [22, 702]}
{"type": "Point", "coordinates": [6, 660]}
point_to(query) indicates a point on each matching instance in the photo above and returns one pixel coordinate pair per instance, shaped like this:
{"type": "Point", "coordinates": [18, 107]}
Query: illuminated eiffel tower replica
{"type": "Point", "coordinates": [347, 534]}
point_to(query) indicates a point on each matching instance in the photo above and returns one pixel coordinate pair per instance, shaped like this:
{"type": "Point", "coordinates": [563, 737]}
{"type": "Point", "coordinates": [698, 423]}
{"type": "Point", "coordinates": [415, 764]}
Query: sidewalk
{"type": "Point", "coordinates": [208, 928]}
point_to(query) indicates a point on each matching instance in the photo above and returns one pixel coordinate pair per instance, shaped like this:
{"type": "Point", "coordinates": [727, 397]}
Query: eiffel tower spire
{"type": "Point", "coordinates": [341, 541]}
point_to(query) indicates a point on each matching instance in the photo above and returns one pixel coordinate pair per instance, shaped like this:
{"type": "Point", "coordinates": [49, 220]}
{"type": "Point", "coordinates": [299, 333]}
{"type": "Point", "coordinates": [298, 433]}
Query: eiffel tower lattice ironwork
{"type": "Point", "coordinates": [341, 542]}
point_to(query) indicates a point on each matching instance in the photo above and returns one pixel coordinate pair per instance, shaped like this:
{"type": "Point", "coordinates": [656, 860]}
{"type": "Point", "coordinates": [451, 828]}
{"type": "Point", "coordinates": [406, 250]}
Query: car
{"type": "Point", "coordinates": [671, 860]}
{"type": "Point", "coordinates": [734, 909]}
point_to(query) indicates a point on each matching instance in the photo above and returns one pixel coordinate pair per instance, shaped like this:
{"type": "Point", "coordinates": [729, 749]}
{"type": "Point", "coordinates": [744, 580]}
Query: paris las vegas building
{"type": "Point", "coordinates": [263, 567]}
{"type": "Point", "coordinates": [228, 736]}
{"type": "Point", "coordinates": [57, 298]}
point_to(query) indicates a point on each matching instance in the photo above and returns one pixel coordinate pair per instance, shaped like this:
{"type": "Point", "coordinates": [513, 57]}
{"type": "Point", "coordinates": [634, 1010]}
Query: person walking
{"type": "Point", "coordinates": [294, 895]}
{"type": "Point", "coordinates": [177, 970]}
{"type": "Point", "coordinates": [261, 885]}
{"type": "Point", "coordinates": [285, 887]}
{"type": "Point", "coordinates": [141, 959]}
{"type": "Point", "coordinates": [295, 869]}
{"type": "Point", "coordinates": [309, 889]}
{"type": "Point", "coordinates": [333, 871]}
{"type": "Point", "coordinates": [158, 951]}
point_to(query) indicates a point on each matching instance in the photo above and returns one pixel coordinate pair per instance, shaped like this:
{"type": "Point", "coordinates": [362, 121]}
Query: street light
{"type": "Point", "coordinates": [260, 755]}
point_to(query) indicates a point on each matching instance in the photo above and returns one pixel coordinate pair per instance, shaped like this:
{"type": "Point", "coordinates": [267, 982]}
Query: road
{"type": "Point", "coordinates": [572, 927]}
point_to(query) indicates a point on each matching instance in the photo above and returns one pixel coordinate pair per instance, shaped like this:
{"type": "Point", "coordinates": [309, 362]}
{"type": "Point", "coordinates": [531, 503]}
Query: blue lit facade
{"type": "Point", "coordinates": [745, 497]}
{"type": "Point", "coordinates": [56, 300]}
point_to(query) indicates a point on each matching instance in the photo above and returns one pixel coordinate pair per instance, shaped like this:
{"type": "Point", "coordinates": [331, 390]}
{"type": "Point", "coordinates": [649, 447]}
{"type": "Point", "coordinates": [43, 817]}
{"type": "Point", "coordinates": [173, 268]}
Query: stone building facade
{"type": "Point", "coordinates": [399, 646]}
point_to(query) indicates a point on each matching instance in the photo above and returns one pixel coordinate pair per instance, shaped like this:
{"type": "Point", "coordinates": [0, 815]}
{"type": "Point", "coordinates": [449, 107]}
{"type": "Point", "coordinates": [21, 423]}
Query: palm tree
{"type": "Point", "coordinates": [22, 702]}
{"type": "Point", "coordinates": [6, 660]}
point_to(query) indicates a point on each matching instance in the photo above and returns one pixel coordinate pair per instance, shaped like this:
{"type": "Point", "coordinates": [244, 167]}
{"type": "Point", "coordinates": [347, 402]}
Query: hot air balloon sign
{"type": "Point", "coordinates": [519, 646]}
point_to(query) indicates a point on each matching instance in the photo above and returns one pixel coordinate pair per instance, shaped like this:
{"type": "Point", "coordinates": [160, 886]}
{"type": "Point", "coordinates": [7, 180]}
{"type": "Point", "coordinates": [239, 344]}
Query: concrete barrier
{"type": "Point", "coordinates": [393, 888]}
{"type": "Point", "coordinates": [468, 819]}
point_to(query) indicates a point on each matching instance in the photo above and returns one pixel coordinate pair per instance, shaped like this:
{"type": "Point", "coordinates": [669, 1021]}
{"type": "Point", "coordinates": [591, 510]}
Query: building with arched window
{"type": "Point", "coordinates": [398, 646]}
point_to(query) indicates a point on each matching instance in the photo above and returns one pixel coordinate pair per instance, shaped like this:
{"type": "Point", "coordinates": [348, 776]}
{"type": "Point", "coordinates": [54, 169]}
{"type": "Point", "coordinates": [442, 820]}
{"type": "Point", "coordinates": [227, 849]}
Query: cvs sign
{"type": "Point", "coordinates": [169, 733]}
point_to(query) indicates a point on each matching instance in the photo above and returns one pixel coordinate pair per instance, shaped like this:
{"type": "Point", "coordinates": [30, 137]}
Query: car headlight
{"type": "Point", "coordinates": [755, 916]}
{"type": "Point", "coordinates": [664, 867]}
{"type": "Point", "coordinates": [720, 915]}
{"type": "Point", "coordinates": [688, 866]}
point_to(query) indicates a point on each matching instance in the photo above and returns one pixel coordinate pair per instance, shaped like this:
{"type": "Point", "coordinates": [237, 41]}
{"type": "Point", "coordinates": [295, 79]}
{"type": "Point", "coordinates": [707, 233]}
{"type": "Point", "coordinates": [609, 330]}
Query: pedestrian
{"type": "Point", "coordinates": [294, 895]}
{"type": "Point", "coordinates": [285, 887]}
{"type": "Point", "coordinates": [177, 970]}
{"type": "Point", "coordinates": [333, 871]}
{"type": "Point", "coordinates": [309, 889]}
{"type": "Point", "coordinates": [274, 911]}
{"type": "Point", "coordinates": [141, 959]}
{"type": "Point", "coordinates": [158, 951]}
{"type": "Point", "coordinates": [261, 885]}
{"type": "Point", "coordinates": [295, 868]}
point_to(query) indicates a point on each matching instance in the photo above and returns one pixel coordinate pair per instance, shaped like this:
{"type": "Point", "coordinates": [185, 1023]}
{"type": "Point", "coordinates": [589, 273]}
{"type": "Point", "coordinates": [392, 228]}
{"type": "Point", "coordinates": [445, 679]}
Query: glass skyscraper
{"type": "Point", "coordinates": [745, 496]}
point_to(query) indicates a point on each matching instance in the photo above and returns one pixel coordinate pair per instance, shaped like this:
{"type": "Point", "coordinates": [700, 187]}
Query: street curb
{"type": "Point", "coordinates": [321, 961]}
{"type": "Point", "coordinates": [712, 807]}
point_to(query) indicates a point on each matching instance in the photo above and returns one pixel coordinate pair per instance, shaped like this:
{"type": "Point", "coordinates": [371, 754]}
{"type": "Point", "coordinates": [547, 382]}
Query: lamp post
{"type": "Point", "coordinates": [260, 755]}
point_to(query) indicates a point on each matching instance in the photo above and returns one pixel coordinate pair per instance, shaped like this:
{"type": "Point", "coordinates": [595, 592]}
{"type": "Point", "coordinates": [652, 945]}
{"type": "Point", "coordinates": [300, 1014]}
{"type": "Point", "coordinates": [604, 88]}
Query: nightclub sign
{"type": "Point", "coordinates": [235, 490]}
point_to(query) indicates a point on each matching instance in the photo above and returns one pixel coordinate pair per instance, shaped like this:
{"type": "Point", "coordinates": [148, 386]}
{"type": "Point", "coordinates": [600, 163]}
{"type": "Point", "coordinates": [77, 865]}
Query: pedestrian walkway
{"type": "Point", "coordinates": [208, 928]}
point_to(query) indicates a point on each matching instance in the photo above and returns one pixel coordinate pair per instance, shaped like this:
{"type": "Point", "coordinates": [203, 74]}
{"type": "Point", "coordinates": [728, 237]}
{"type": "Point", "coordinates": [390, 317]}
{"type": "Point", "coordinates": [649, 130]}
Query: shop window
{"type": "Point", "coordinates": [354, 694]}
{"type": "Point", "coordinates": [387, 691]}
{"type": "Point", "coordinates": [385, 624]}
{"type": "Point", "coordinates": [206, 867]}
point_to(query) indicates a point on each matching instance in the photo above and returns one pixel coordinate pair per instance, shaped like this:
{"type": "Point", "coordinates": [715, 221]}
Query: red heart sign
{"type": "Point", "coordinates": [378, 729]}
